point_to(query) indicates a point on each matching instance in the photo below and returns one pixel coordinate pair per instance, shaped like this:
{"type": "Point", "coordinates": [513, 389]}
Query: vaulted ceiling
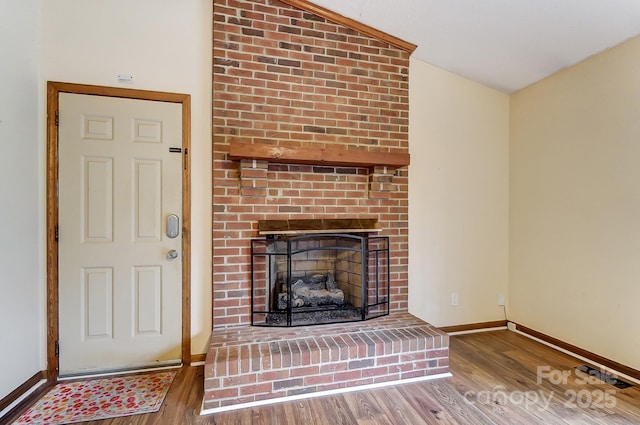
{"type": "Point", "coordinates": [504, 44]}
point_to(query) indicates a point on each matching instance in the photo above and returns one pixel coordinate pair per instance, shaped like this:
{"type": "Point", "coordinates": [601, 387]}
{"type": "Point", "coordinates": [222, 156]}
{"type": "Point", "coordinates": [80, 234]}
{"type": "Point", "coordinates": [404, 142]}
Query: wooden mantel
{"type": "Point", "coordinates": [318, 226]}
{"type": "Point", "coordinates": [329, 156]}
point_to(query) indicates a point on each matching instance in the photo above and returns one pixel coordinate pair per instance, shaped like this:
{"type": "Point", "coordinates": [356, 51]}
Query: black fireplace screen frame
{"type": "Point", "coordinates": [272, 283]}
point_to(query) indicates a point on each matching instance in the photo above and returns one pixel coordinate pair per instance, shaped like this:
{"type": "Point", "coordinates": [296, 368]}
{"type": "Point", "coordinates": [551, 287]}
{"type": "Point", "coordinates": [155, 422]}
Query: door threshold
{"type": "Point", "coordinates": [116, 372]}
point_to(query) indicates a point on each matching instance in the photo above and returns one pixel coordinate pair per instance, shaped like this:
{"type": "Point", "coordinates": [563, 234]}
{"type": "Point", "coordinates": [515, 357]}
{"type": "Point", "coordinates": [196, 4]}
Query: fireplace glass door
{"type": "Point", "coordinates": [317, 279]}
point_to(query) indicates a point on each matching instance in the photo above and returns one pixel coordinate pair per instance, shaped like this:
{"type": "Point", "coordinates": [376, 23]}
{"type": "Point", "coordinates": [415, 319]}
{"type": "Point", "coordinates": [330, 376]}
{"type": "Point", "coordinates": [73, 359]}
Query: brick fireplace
{"type": "Point", "coordinates": [310, 116]}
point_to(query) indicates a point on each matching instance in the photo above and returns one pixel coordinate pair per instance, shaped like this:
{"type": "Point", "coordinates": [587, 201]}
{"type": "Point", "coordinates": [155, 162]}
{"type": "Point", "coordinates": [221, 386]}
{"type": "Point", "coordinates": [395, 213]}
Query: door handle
{"type": "Point", "coordinates": [172, 255]}
{"type": "Point", "coordinates": [173, 226]}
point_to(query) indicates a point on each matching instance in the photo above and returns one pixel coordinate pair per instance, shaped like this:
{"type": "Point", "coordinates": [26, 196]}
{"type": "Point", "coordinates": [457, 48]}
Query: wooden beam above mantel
{"type": "Point", "coordinates": [318, 226]}
{"type": "Point", "coordinates": [329, 156]}
{"type": "Point", "coordinates": [351, 23]}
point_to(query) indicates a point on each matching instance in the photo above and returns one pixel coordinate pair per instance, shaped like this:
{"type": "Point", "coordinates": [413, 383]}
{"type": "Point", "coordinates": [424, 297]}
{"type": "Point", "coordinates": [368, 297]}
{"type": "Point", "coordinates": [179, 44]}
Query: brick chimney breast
{"type": "Point", "coordinates": [291, 78]}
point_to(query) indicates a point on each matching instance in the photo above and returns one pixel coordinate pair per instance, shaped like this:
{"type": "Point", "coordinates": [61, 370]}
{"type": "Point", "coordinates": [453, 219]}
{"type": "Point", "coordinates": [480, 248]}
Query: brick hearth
{"type": "Point", "coordinates": [252, 365]}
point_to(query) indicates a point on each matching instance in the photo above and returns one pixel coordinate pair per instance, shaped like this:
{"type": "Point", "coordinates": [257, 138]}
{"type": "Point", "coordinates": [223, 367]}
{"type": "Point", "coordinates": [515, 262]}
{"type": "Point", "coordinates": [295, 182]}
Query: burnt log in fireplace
{"type": "Point", "coordinates": [316, 275]}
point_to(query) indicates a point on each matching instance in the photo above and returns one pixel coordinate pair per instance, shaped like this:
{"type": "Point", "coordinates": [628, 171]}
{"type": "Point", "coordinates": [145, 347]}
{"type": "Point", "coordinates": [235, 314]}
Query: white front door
{"type": "Point", "coordinates": [119, 267]}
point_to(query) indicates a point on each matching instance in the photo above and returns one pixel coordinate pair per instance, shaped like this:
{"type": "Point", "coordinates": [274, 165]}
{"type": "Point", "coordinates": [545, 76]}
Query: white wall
{"type": "Point", "coordinates": [458, 197]}
{"type": "Point", "coordinates": [21, 196]}
{"type": "Point", "coordinates": [166, 46]}
{"type": "Point", "coordinates": [575, 205]}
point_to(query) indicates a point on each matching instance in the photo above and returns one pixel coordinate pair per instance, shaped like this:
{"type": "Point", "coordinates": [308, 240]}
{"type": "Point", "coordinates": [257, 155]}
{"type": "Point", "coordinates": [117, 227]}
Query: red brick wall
{"type": "Point", "coordinates": [282, 76]}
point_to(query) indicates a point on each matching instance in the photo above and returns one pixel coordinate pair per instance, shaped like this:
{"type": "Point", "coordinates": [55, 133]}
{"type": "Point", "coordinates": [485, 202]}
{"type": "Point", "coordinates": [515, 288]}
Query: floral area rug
{"type": "Point", "coordinates": [89, 400]}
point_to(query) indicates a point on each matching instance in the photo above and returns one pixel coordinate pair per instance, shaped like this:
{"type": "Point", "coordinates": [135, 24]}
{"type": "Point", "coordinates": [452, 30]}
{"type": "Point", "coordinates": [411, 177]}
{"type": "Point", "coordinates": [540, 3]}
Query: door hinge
{"type": "Point", "coordinates": [185, 158]}
{"type": "Point", "coordinates": [57, 348]}
{"type": "Point", "coordinates": [57, 233]}
{"type": "Point", "coordinates": [57, 118]}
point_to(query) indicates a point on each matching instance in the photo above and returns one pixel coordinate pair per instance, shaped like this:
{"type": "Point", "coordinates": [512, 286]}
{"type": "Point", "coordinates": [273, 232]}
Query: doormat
{"type": "Point", "coordinates": [94, 399]}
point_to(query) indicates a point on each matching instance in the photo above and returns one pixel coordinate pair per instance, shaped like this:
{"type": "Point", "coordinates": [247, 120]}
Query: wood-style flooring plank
{"type": "Point", "coordinates": [332, 410]}
{"type": "Point", "coordinates": [445, 402]}
{"type": "Point", "coordinates": [366, 409]}
{"type": "Point", "coordinates": [398, 407]}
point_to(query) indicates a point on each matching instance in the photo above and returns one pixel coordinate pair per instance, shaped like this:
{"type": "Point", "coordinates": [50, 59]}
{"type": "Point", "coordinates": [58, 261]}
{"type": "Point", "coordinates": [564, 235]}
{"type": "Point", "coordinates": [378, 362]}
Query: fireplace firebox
{"type": "Point", "coordinates": [312, 279]}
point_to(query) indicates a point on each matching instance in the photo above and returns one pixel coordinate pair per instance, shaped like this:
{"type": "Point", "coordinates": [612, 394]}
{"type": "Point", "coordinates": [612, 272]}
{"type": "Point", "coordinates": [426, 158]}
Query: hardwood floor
{"type": "Point", "coordinates": [499, 378]}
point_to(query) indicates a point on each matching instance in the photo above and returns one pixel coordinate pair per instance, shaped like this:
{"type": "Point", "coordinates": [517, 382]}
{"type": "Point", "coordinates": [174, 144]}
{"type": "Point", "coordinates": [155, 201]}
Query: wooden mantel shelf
{"type": "Point", "coordinates": [329, 156]}
{"type": "Point", "coordinates": [318, 226]}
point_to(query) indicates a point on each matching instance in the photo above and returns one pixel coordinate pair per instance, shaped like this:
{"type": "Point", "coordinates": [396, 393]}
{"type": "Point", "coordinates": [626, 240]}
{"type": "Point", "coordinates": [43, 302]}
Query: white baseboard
{"type": "Point", "coordinates": [514, 328]}
{"type": "Point", "coordinates": [473, 331]}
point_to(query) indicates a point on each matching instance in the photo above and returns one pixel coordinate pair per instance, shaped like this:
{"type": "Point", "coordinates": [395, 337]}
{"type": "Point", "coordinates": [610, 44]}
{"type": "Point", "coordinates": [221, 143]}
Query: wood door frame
{"type": "Point", "coordinates": [54, 89]}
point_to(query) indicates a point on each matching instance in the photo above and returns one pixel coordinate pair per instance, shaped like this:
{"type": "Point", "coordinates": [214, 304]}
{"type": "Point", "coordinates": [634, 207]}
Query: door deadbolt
{"type": "Point", "coordinates": [173, 226]}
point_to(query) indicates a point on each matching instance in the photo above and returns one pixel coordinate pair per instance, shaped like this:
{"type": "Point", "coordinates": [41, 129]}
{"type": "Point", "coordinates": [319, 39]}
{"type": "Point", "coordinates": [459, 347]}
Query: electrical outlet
{"type": "Point", "coordinates": [454, 298]}
{"type": "Point", "coordinates": [500, 299]}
